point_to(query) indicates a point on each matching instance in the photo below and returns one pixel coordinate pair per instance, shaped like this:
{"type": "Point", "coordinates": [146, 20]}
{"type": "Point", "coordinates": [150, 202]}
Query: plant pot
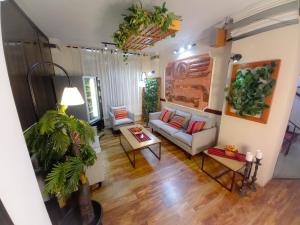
{"type": "Point", "coordinates": [73, 216]}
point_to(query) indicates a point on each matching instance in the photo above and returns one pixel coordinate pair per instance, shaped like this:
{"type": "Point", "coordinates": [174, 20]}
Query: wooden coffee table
{"type": "Point", "coordinates": [130, 144]}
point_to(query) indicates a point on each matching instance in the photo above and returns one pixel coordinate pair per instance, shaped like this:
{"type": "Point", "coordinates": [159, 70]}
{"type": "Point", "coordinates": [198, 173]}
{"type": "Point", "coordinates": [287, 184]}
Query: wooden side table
{"type": "Point", "coordinates": [233, 166]}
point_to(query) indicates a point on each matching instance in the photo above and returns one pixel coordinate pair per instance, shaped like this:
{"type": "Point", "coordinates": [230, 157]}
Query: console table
{"type": "Point", "coordinates": [231, 165]}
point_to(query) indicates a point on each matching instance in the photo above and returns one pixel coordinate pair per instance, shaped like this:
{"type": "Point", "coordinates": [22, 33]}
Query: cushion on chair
{"type": "Point", "coordinates": [177, 121]}
{"type": "Point", "coordinates": [195, 126]}
{"type": "Point", "coordinates": [120, 113]}
{"type": "Point", "coordinates": [168, 129]}
{"type": "Point", "coordinates": [209, 122]}
{"type": "Point", "coordinates": [186, 115]}
{"type": "Point", "coordinates": [123, 121]}
{"type": "Point", "coordinates": [184, 137]}
{"type": "Point", "coordinates": [165, 115]}
{"type": "Point", "coordinates": [157, 123]}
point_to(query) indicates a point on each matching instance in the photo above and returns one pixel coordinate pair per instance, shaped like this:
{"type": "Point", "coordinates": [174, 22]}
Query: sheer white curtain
{"type": "Point", "coordinates": [119, 80]}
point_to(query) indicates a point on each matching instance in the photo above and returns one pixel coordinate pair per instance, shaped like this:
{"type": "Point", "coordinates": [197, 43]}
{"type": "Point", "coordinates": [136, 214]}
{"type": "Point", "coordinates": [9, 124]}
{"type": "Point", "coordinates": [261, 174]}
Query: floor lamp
{"type": "Point", "coordinates": [71, 95]}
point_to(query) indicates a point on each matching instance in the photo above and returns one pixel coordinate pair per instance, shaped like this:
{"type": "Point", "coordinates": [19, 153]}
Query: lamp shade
{"type": "Point", "coordinates": [71, 96]}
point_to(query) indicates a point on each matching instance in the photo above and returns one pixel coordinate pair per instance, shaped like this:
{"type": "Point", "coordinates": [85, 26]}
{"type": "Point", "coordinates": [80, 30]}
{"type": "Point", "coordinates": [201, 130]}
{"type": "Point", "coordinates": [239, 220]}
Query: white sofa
{"type": "Point", "coordinates": [192, 144]}
{"type": "Point", "coordinates": [116, 124]}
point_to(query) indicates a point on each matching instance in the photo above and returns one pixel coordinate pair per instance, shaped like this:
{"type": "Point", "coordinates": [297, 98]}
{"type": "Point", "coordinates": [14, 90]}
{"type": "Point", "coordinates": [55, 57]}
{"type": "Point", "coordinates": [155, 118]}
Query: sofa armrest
{"type": "Point", "coordinates": [131, 116]}
{"type": "Point", "coordinates": [154, 116]}
{"type": "Point", "coordinates": [112, 118]}
{"type": "Point", "coordinates": [203, 139]}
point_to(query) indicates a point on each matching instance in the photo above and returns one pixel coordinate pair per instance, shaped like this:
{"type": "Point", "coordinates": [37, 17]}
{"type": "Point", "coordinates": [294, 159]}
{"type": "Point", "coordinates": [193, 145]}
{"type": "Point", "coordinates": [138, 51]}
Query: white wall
{"type": "Point", "coordinates": [281, 44]}
{"type": "Point", "coordinates": [19, 189]}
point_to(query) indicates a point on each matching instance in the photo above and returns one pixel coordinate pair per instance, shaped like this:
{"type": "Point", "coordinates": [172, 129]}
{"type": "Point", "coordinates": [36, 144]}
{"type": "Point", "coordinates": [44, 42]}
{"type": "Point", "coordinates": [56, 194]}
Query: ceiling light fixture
{"type": "Point", "coordinates": [236, 57]}
{"type": "Point", "coordinates": [175, 52]}
{"type": "Point", "coordinates": [189, 46]}
{"type": "Point", "coordinates": [105, 47]}
{"type": "Point", "coordinates": [181, 50]}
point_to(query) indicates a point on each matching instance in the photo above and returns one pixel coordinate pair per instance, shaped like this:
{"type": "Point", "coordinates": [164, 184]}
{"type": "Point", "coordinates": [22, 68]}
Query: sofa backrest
{"type": "Point", "coordinates": [112, 108]}
{"type": "Point", "coordinates": [209, 121]}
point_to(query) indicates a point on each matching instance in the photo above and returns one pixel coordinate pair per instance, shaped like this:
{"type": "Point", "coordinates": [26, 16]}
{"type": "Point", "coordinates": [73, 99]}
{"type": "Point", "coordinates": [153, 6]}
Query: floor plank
{"type": "Point", "coordinates": [174, 191]}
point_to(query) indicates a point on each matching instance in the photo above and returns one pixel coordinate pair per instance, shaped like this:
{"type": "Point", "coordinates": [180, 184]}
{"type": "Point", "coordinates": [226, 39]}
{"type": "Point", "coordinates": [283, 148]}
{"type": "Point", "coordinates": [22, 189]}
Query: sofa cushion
{"type": "Point", "coordinates": [123, 121]}
{"type": "Point", "coordinates": [186, 115]}
{"type": "Point", "coordinates": [195, 126]}
{"type": "Point", "coordinates": [165, 115]}
{"type": "Point", "coordinates": [184, 137]}
{"type": "Point", "coordinates": [168, 129]}
{"type": "Point", "coordinates": [157, 123]}
{"type": "Point", "coordinates": [209, 122]}
{"type": "Point", "coordinates": [177, 121]}
{"type": "Point", "coordinates": [120, 113]}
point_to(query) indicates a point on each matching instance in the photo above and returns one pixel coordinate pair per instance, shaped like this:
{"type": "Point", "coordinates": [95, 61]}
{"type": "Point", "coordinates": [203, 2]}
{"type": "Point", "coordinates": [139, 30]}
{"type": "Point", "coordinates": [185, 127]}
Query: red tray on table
{"type": "Point", "coordinates": [141, 137]}
{"type": "Point", "coordinates": [221, 152]}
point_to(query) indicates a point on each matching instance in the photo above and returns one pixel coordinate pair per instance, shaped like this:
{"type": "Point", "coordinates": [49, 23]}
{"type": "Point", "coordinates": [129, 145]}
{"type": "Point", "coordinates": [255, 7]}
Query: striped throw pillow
{"type": "Point", "coordinates": [165, 115]}
{"type": "Point", "coordinates": [121, 113]}
{"type": "Point", "coordinates": [177, 121]}
{"type": "Point", "coordinates": [195, 126]}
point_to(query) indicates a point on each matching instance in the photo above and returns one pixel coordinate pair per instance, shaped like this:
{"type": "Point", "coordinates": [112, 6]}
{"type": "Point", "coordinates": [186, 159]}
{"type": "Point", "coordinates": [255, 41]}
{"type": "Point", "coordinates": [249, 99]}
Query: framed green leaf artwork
{"type": "Point", "coordinates": [252, 86]}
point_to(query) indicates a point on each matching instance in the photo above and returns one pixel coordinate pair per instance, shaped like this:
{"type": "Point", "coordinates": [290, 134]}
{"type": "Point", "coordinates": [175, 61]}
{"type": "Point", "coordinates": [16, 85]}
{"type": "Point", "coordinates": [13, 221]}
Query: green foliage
{"type": "Point", "coordinates": [250, 89]}
{"type": "Point", "coordinates": [52, 141]}
{"type": "Point", "coordinates": [138, 18]}
{"type": "Point", "coordinates": [150, 98]}
{"type": "Point", "coordinates": [64, 177]}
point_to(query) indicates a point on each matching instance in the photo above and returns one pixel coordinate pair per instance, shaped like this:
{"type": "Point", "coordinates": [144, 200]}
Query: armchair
{"type": "Point", "coordinates": [117, 123]}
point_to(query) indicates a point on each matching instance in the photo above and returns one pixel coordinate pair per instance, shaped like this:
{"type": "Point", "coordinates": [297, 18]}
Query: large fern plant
{"type": "Point", "coordinates": [62, 145]}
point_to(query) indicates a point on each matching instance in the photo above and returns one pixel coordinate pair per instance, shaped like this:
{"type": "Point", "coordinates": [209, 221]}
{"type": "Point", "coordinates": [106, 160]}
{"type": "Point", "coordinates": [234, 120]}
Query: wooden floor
{"type": "Point", "coordinates": [174, 191]}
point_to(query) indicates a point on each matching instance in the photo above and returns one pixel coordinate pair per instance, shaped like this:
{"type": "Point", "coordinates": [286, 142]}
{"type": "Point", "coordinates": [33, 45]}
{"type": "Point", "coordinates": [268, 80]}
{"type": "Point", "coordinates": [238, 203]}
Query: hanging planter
{"type": "Point", "coordinates": [142, 28]}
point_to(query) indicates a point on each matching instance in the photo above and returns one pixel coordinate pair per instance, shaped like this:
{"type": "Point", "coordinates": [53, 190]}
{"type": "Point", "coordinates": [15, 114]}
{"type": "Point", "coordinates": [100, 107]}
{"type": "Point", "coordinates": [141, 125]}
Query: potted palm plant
{"type": "Point", "coordinates": [62, 146]}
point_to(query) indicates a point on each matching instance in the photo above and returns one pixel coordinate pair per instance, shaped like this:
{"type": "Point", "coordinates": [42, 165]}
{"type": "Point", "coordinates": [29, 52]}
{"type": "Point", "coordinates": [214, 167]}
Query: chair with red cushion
{"type": "Point", "coordinates": [120, 116]}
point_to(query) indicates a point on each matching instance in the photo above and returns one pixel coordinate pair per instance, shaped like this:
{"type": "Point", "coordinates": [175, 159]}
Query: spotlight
{"type": "Point", "coordinates": [105, 47]}
{"type": "Point", "coordinates": [181, 50]}
{"type": "Point", "coordinates": [175, 52]}
{"type": "Point", "coordinates": [116, 51]}
{"type": "Point", "coordinates": [236, 57]}
{"type": "Point", "coordinates": [189, 46]}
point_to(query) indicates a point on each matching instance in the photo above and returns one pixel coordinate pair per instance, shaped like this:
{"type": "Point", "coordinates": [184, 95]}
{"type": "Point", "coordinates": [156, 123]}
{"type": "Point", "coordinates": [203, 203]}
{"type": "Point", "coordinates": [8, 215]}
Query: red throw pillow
{"type": "Point", "coordinates": [195, 126]}
{"type": "Point", "coordinates": [121, 113]}
{"type": "Point", "coordinates": [165, 115]}
{"type": "Point", "coordinates": [177, 121]}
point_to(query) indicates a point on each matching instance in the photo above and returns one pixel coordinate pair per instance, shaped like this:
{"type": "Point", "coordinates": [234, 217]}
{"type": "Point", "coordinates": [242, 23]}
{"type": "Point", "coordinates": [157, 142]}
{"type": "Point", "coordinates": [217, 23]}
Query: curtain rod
{"type": "Point", "coordinates": [101, 49]}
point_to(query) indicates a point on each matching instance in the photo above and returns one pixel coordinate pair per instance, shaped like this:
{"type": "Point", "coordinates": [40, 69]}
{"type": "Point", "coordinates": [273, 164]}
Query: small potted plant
{"type": "Point", "coordinates": [62, 146]}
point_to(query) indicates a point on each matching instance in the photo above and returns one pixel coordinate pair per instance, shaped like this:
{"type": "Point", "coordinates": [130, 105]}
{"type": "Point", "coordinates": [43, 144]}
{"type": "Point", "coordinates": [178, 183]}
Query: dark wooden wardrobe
{"type": "Point", "coordinates": [24, 44]}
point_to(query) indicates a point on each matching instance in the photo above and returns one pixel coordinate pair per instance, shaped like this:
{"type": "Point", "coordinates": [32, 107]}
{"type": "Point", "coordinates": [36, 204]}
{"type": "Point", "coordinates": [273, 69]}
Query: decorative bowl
{"type": "Point", "coordinates": [230, 150]}
{"type": "Point", "coordinates": [137, 130]}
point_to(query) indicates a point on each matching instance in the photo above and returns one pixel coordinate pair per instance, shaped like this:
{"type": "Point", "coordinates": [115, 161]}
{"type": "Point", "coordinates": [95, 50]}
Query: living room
{"type": "Point", "coordinates": [178, 119]}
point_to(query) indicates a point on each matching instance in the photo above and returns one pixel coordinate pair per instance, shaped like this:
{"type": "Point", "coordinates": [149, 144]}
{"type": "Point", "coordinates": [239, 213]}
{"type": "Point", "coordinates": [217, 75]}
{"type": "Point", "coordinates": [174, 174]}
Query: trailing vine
{"type": "Point", "coordinates": [138, 18]}
{"type": "Point", "coordinates": [250, 88]}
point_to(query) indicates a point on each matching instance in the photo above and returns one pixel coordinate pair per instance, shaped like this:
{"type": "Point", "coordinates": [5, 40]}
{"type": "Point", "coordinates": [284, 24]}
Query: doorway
{"type": "Point", "coordinates": [288, 162]}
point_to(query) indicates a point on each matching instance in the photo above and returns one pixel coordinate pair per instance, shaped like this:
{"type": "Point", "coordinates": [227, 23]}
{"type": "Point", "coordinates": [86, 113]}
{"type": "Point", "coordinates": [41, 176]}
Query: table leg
{"type": "Point", "coordinates": [233, 181]}
{"type": "Point", "coordinates": [203, 156]}
{"type": "Point", "coordinates": [133, 159]}
{"type": "Point", "coordinates": [159, 151]}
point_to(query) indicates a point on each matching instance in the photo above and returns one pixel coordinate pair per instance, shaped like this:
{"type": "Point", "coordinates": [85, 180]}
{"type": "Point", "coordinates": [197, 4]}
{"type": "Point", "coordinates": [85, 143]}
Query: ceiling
{"type": "Point", "coordinates": [89, 22]}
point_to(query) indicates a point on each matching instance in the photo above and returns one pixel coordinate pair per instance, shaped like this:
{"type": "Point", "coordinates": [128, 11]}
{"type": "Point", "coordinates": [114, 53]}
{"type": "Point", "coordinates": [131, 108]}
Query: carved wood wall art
{"type": "Point", "coordinates": [187, 81]}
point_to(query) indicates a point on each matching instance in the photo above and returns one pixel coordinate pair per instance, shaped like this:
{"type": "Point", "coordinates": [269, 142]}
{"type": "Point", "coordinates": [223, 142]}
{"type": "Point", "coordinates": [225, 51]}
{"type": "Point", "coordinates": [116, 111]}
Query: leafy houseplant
{"type": "Point", "coordinates": [138, 18]}
{"type": "Point", "coordinates": [62, 145]}
{"type": "Point", "coordinates": [249, 90]}
{"type": "Point", "coordinates": [150, 98]}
